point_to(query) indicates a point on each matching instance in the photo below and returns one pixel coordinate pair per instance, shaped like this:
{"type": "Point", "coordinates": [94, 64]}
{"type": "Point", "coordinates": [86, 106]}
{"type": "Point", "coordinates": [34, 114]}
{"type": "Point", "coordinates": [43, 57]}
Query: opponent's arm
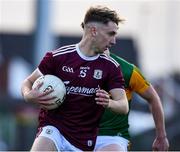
{"type": "Point", "coordinates": [117, 103]}
{"type": "Point", "coordinates": [161, 142]}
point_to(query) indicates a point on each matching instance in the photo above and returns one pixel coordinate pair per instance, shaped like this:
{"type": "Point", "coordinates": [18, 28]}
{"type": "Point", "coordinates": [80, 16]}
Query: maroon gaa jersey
{"type": "Point", "coordinates": [78, 117]}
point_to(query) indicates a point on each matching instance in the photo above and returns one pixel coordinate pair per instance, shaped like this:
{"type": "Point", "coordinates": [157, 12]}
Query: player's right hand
{"type": "Point", "coordinates": [44, 99]}
{"type": "Point", "coordinates": [102, 98]}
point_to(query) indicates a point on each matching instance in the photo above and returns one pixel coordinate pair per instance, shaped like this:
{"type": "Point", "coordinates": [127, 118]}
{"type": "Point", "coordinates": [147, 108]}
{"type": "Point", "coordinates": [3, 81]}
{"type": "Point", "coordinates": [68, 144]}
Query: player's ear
{"type": "Point", "coordinates": [93, 30]}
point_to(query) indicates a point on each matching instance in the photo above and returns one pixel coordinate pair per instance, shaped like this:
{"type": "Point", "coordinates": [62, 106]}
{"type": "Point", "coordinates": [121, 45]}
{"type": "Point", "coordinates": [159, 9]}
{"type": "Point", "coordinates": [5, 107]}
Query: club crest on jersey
{"type": "Point", "coordinates": [98, 74]}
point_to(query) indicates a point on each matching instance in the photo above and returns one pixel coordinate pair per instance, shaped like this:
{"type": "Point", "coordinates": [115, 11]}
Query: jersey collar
{"type": "Point", "coordinates": [88, 58]}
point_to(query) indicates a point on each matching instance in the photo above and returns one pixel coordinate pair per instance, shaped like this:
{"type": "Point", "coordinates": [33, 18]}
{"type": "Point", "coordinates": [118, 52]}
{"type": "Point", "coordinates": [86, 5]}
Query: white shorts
{"type": "Point", "coordinates": [59, 140]}
{"type": "Point", "coordinates": [106, 140]}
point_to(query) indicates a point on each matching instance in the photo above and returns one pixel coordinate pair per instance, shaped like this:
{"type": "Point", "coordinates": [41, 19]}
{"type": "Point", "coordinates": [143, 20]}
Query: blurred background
{"type": "Point", "coordinates": [149, 38]}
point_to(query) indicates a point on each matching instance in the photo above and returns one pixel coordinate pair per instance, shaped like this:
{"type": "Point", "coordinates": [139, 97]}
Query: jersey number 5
{"type": "Point", "coordinates": [83, 73]}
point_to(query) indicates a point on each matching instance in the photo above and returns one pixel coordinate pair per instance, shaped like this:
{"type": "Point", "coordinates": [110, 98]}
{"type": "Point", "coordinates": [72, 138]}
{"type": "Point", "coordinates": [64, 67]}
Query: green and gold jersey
{"type": "Point", "coordinates": [113, 124]}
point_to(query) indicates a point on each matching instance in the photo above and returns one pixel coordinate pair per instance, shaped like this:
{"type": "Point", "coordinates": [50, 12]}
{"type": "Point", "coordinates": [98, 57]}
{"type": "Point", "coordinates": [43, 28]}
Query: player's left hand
{"type": "Point", "coordinates": [160, 144]}
{"type": "Point", "coordinates": [103, 98]}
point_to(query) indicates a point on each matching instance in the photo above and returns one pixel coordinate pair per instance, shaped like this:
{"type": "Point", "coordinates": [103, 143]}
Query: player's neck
{"type": "Point", "coordinates": [86, 48]}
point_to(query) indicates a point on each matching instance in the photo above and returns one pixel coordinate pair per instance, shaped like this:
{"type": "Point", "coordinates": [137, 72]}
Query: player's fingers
{"type": "Point", "coordinates": [45, 104]}
{"type": "Point", "coordinates": [46, 92]}
{"type": "Point", "coordinates": [48, 103]}
{"type": "Point", "coordinates": [49, 98]}
{"type": "Point", "coordinates": [49, 107]}
{"type": "Point", "coordinates": [103, 95]}
{"type": "Point", "coordinates": [38, 85]}
{"type": "Point", "coordinates": [104, 103]}
{"type": "Point", "coordinates": [102, 99]}
{"type": "Point", "coordinates": [102, 91]}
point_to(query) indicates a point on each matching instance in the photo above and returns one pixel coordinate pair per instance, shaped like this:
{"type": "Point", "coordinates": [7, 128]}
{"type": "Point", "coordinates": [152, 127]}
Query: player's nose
{"type": "Point", "coordinates": [113, 41]}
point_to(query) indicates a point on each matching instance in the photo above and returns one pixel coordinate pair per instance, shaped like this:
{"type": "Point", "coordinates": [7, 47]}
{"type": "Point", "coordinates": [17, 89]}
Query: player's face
{"type": "Point", "coordinates": [106, 36]}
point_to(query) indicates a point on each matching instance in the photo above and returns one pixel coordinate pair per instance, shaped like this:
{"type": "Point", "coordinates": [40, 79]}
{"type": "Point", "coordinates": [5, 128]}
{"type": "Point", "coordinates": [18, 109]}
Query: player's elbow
{"type": "Point", "coordinates": [126, 109]}
{"type": "Point", "coordinates": [123, 108]}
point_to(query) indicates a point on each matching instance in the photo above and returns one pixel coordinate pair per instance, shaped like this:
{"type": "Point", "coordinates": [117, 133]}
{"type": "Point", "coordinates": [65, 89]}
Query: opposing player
{"type": "Point", "coordinates": [83, 68]}
{"type": "Point", "coordinates": [114, 134]}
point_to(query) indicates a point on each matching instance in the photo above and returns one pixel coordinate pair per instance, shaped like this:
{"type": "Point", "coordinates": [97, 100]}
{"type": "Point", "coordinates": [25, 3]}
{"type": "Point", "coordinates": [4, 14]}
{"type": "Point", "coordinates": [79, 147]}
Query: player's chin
{"type": "Point", "coordinates": [106, 49]}
{"type": "Point", "coordinates": [102, 50]}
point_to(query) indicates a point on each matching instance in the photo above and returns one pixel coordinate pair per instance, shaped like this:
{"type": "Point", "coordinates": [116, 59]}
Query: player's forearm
{"type": "Point", "coordinates": [119, 102]}
{"type": "Point", "coordinates": [25, 88]}
{"type": "Point", "coordinates": [155, 105]}
{"type": "Point", "coordinates": [158, 116]}
{"type": "Point", "coordinates": [119, 106]}
{"type": "Point", "coordinates": [161, 142]}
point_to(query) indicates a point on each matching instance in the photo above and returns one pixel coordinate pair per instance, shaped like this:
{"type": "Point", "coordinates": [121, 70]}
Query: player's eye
{"type": "Point", "coordinates": [112, 33]}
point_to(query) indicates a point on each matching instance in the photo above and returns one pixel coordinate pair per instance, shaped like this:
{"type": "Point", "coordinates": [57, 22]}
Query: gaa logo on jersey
{"type": "Point", "coordinates": [98, 74]}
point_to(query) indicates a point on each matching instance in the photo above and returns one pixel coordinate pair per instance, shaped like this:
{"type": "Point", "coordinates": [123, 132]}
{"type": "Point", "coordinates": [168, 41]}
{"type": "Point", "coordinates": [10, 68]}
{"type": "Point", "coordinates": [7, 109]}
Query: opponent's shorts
{"type": "Point", "coordinates": [59, 140]}
{"type": "Point", "coordinates": [107, 140]}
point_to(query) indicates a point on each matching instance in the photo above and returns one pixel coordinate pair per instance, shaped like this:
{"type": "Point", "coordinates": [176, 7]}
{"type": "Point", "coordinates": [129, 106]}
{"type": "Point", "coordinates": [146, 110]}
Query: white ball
{"type": "Point", "coordinates": [51, 81]}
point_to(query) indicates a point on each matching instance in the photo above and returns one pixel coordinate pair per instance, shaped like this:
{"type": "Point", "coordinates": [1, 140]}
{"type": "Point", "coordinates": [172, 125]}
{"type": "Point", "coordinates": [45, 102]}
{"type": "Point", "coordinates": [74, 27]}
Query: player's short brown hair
{"type": "Point", "coordinates": [102, 15]}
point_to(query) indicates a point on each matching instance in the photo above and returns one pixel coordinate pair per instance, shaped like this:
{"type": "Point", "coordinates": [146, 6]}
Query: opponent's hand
{"type": "Point", "coordinates": [103, 98]}
{"type": "Point", "coordinates": [160, 144]}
